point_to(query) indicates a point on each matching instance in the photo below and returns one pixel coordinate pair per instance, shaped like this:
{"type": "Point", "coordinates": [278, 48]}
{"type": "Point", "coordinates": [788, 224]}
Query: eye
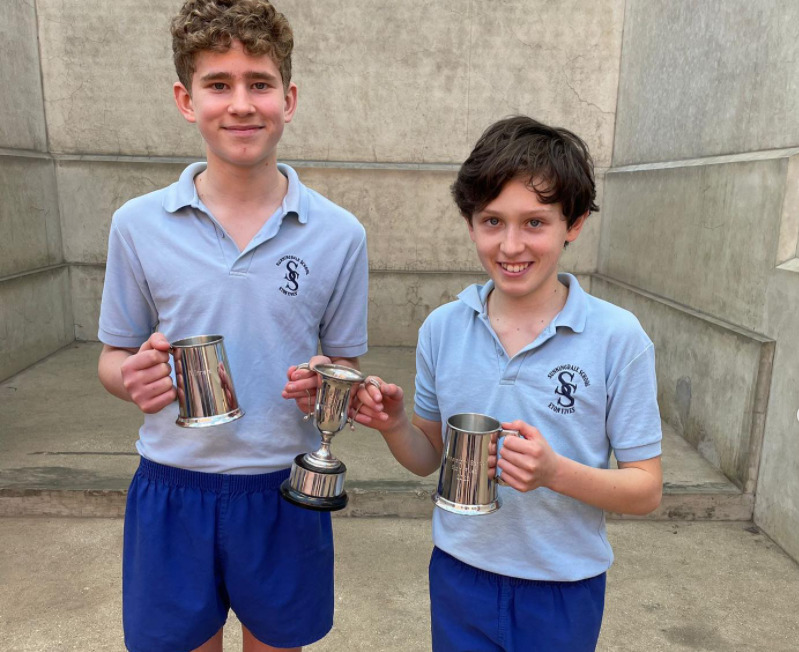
{"type": "Point", "coordinates": [492, 221]}
{"type": "Point", "coordinates": [218, 86]}
{"type": "Point", "coordinates": [260, 86]}
{"type": "Point", "coordinates": [535, 223]}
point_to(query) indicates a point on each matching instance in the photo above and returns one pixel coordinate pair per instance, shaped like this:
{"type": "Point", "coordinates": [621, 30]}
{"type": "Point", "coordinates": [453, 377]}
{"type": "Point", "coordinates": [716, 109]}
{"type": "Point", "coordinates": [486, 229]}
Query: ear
{"type": "Point", "coordinates": [574, 231]}
{"type": "Point", "coordinates": [290, 102]}
{"type": "Point", "coordinates": [184, 102]}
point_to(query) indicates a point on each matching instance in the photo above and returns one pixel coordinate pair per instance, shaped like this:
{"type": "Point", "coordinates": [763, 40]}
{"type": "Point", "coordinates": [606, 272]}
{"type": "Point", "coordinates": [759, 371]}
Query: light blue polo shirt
{"type": "Point", "coordinates": [587, 383]}
{"type": "Point", "coordinates": [302, 280]}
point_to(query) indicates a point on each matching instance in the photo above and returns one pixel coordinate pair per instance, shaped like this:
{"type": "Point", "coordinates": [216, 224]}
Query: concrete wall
{"type": "Point", "coordinates": [35, 306]}
{"type": "Point", "coordinates": [700, 231]}
{"type": "Point", "coordinates": [392, 96]}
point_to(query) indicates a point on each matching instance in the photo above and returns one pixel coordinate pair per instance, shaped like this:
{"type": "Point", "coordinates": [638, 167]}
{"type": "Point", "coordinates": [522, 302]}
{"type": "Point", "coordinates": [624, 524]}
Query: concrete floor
{"type": "Point", "coordinates": [702, 577]}
{"type": "Point", "coordinates": [67, 449]}
{"type": "Point", "coordinates": [709, 586]}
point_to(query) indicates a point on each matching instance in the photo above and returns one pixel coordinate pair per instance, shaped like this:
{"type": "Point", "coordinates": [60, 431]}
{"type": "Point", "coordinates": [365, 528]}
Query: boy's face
{"type": "Point", "coordinates": [239, 104]}
{"type": "Point", "coordinates": [519, 241]}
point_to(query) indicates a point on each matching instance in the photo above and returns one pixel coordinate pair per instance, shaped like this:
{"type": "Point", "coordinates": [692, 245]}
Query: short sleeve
{"type": "Point", "coordinates": [633, 417]}
{"type": "Point", "coordinates": [425, 399]}
{"type": "Point", "coordinates": [343, 328]}
{"type": "Point", "coordinates": [127, 312]}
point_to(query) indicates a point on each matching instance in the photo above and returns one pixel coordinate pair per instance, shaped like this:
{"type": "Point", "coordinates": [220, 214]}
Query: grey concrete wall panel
{"type": "Point", "coordinates": [90, 193]}
{"type": "Point", "coordinates": [777, 506]}
{"type": "Point", "coordinates": [788, 248]}
{"type": "Point", "coordinates": [108, 75]}
{"type": "Point", "coordinates": [35, 318]}
{"type": "Point", "coordinates": [21, 106]}
{"type": "Point", "coordinates": [86, 283]}
{"type": "Point", "coordinates": [706, 78]}
{"type": "Point", "coordinates": [399, 303]}
{"type": "Point", "coordinates": [30, 232]}
{"type": "Point", "coordinates": [556, 61]}
{"type": "Point", "coordinates": [705, 236]}
{"type": "Point", "coordinates": [411, 221]}
{"type": "Point", "coordinates": [713, 379]}
{"type": "Point", "coordinates": [428, 77]}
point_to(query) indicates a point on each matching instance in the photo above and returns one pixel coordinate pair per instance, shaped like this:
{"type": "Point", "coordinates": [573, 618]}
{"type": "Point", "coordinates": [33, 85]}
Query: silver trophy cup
{"type": "Point", "coordinates": [317, 479]}
{"type": "Point", "coordinates": [206, 396]}
{"type": "Point", "coordinates": [464, 486]}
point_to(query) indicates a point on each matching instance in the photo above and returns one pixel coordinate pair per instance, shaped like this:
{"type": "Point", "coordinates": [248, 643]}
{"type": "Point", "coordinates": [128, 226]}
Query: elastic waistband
{"type": "Point", "coordinates": [211, 481]}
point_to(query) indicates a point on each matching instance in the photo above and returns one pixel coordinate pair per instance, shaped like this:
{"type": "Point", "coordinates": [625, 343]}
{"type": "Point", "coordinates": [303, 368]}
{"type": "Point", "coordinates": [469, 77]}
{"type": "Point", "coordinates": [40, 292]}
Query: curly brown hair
{"type": "Point", "coordinates": [215, 24]}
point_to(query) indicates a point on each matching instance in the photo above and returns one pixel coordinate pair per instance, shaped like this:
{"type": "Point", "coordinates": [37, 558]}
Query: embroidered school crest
{"type": "Point", "coordinates": [291, 279]}
{"type": "Point", "coordinates": [567, 379]}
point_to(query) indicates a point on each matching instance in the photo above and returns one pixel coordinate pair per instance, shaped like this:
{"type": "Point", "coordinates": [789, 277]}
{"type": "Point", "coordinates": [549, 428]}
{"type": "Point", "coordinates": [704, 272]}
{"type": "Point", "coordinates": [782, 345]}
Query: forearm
{"type": "Point", "coordinates": [626, 490]}
{"type": "Point", "coordinates": [109, 370]}
{"type": "Point", "coordinates": [412, 448]}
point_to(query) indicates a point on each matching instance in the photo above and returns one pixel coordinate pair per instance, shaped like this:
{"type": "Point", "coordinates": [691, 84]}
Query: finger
{"type": "Point", "coordinates": [370, 417]}
{"type": "Point", "coordinates": [300, 374]}
{"type": "Point", "coordinates": [392, 391]}
{"type": "Point", "coordinates": [156, 372]}
{"type": "Point", "coordinates": [319, 359]}
{"type": "Point", "coordinates": [525, 429]}
{"type": "Point", "coordinates": [159, 402]}
{"type": "Point", "coordinates": [308, 384]}
{"type": "Point", "coordinates": [147, 358]}
{"type": "Point", "coordinates": [522, 460]}
{"type": "Point", "coordinates": [156, 341]}
{"type": "Point", "coordinates": [299, 394]}
{"type": "Point", "coordinates": [512, 476]}
{"type": "Point", "coordinates": [158, 393]}
{"type": "Point", "coordinates": [368, 395]}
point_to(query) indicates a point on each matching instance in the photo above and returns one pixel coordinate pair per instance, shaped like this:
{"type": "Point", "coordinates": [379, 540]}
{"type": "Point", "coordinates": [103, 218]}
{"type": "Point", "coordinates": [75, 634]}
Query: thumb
{"type": "Point", "coordinates": [156, 341]}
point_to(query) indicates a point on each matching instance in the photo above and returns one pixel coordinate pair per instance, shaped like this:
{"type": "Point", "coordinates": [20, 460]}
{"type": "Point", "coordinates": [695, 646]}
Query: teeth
{"type": "Point", "coordinates": [514, 268]}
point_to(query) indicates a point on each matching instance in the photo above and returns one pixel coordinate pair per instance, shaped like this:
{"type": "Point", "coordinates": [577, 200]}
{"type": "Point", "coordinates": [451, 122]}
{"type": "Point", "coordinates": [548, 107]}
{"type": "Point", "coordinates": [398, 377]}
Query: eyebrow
{"type": "Point", "coordinates": [249, 75]}
{"type": "Point", "coordinates": [538, 212]}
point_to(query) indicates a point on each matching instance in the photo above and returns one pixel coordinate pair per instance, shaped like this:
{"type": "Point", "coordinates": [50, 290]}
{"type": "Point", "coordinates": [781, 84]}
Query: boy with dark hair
{"type": "Point", "coordinates": [240, 247]}
{"type": "Point", "coordinates": [573, 374]}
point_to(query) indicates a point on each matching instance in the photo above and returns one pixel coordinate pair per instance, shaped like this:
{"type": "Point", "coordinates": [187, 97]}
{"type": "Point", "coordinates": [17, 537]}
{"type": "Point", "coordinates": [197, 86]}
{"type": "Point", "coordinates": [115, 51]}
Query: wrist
{"type": "Point", "coordinates": [398, 426]}
{"type": "Point", "coordinates": [557, 481]}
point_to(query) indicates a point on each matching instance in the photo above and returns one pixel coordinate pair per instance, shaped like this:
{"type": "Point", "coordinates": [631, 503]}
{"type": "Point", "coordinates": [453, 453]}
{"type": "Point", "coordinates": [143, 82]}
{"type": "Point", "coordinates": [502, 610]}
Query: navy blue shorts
{"type": "Point", "coordinates": [479, 611]}
{"type": "Point", "coordinates": [198, 544]}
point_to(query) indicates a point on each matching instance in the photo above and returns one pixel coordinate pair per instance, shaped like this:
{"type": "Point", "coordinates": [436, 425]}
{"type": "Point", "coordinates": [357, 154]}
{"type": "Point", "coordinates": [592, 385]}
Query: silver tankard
{"type": "Point", "coordinates": [206, 396]}
{"type": "Point", "coordinates": [317, 479]}
{"type": "Point", "coordinates": [463, 483]}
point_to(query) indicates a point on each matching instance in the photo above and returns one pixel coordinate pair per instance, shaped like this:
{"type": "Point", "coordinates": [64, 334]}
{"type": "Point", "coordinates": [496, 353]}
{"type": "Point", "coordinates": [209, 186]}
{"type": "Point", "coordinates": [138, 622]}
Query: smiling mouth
{"type": "Point", "coordinates": [514, 268]}
{"type": "Point", "coordinates": [243, 128]}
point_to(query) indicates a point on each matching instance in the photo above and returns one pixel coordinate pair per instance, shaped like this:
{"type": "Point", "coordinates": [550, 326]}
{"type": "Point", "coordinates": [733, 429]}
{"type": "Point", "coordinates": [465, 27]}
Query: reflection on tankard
{"type": "Point", "coordinates": [206, 396]}
{"type": "Point", "coordinates": [317, 479]}
{"type": "Point", "coordinates": [463, 483]}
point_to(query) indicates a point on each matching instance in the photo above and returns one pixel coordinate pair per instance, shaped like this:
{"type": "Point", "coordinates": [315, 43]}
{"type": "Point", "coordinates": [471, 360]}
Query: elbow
{"type": "Point", "coordinates": [649, 501]}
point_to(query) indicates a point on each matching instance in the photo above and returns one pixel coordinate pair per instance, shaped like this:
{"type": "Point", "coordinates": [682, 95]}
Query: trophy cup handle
{"type": "Point", "coordinates": [309, 414]}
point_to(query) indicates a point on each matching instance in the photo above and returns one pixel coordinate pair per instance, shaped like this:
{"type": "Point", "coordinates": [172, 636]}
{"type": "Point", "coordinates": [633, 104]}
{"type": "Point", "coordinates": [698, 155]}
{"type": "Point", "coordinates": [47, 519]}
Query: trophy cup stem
{"type": "Point", "coordinates": [323, 457]}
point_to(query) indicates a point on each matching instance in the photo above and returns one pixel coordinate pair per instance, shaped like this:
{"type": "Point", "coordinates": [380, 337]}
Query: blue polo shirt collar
{"type": "Point", "coordinates": [184, 192]}
{"type": "Point", "coordinates": [572, 316]}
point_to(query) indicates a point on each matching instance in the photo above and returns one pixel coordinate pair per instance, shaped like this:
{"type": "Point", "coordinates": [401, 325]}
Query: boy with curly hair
{"type": "Point", "coordinates": [240, 247]}
{"type": "Point", "coordinates": [573, 374]}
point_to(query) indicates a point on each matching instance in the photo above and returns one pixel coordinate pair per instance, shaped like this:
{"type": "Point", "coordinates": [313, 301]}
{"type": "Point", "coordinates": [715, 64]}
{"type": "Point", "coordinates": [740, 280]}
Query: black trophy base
{"type": "Point", "coordinates": [328, 482]}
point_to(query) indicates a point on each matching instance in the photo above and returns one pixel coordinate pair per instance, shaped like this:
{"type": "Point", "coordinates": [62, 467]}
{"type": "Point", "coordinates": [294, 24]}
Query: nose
{"type": "Point", "coordinates": [512, 243]}
{"type": "Point", "coordinates": [240, 103]}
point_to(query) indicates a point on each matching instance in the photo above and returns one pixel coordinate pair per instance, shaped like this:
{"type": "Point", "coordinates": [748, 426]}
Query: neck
{"type": "Point", "coordinates": [544, 304]}
{"type": "Point", "coordinates": [230, 185]}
